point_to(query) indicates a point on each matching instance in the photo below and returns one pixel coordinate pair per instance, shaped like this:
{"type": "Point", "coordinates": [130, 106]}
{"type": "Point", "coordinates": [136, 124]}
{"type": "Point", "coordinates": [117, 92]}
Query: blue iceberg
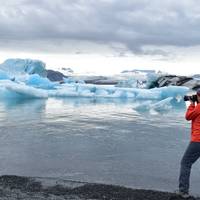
{"type": "Point", "coordinates": [16, 67]}
{"type": "Point", "coordinates": [13, 90]}
{"type": "Point", "coordinates": [39, 82]}
{"type": "Point", "coordinates": [38, 87]}
{"type": "Point", "coordinates": [27, 79]}
{"type": "Point", "coordinates": [160, 106]}
{"type": "Point", "coordinates": [3, 75]}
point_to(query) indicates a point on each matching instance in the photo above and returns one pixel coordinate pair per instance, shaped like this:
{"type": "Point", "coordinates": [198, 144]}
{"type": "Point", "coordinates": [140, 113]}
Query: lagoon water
{"type": "Point", "coordinates": [102, 141]}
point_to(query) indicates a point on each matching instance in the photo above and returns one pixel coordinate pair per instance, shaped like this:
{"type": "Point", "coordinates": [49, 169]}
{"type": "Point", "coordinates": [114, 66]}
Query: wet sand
{"type": "Point", "coordinates": [28, 188]}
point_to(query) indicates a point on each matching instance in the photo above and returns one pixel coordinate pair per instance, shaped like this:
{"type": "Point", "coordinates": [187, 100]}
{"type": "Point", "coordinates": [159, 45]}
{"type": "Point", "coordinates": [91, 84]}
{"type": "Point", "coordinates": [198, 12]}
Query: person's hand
{"type": "Point", "coordinates": [192, 102]}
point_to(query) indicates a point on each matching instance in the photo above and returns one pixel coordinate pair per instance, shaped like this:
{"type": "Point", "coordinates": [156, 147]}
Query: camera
{"type": "Point", "coordinates": [192, 98]}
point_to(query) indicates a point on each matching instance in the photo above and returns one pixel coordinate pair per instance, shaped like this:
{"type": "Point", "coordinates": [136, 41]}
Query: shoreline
{"type": "Point", "coordinates": [32, 188]}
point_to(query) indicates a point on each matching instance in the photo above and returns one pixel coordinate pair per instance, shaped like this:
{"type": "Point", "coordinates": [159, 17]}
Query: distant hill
{"type": "Point", "coordinates": [55, 75]}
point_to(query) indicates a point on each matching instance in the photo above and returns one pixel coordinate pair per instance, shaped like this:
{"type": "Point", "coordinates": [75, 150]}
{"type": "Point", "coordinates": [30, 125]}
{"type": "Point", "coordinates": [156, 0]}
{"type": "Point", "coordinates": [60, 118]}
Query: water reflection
{"type": "Point", "coordinates": [86, 109]}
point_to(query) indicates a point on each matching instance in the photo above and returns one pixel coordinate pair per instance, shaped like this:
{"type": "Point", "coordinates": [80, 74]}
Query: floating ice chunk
{"type": "Point", "coordinates": [130, 95]}
{"type": "Point", "coordinates": [4, 93]}
{"type": "Point", "coordinates": [123, 94]}
{"type": "Point", "coordinates": [142, 106]}
{"type": "Point", "coordinates": [163, 105]}
{"type": "Point", "coordinates": [44, 88]}
{"type": "Point", "coordinates": [119, 94]}
{"type": "Point", "coordinates": [168, 104]}
{"type": "Point", "coordinates": [39, 82]}
{"type": "Point", "coordinates": [101, 93]}
{"type": "Point", "coordinates": [137, 79]}
{"type": "Point", "coordinates": [160, 106]}
{"type": "Point", "coordinates": [162, 93]}
{"type": "Point", "coordinates": [3, 75]}
{"type": "Point", "coordinates": [25, 91]}
{"type": "Point", "coordinates": [172, 91]}
{"type": "Point", "coordinates": [62, 92]}
{"type": "Point", "coordinates": [15, 67]}
{"type": "Point", "coordinates": [85, 93]}
{"type": "Point", "coordinates": [149, 94]}
{"type": "Point", "coordinates": [90, 90]}
{"type": "Point", "coordinates": [151, 78]}
{"type": "Point", "coordinates": [130, 83]}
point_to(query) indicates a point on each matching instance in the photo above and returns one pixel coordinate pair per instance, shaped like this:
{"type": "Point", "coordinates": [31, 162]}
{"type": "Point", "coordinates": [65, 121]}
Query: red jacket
{"type": "Point", "coordinates": [193, 113]}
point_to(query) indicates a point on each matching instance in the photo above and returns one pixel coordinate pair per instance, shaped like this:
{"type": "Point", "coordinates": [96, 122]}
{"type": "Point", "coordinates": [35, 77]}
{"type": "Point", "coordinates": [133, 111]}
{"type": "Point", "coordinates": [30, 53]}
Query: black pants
{"type": "Point", "coordinates": [192, 153]}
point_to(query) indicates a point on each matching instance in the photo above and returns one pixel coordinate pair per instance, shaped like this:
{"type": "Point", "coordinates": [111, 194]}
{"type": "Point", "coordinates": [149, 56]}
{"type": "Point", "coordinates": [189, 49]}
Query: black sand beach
{"type": "Point", "coordinates": [27, 188]}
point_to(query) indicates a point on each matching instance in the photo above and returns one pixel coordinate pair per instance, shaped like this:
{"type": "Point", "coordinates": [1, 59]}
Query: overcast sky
{"type": "Point", "coordinates": [103, 35]}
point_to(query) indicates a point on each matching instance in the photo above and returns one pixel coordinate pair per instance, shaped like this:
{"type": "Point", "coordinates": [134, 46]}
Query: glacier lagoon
{"type": "Point", "coordinates": [94, 133]}
{"type": "Point", "coordinates": [105, 141]}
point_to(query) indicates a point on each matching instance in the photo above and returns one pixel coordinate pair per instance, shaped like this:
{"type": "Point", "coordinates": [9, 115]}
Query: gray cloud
{"type": "Point", "coordinates": [46, 25]}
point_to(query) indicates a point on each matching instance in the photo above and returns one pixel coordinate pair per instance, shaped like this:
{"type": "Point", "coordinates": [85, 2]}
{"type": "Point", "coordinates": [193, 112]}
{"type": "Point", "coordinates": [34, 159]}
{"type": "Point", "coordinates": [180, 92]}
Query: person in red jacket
{"type": "Point", "coordinates": [192, 152]}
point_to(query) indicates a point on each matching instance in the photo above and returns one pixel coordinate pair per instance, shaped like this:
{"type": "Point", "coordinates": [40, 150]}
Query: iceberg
{"type": "Point", "coordinates": [43, 85]}
{"type": "Point", "coordinates": [132, 83]}
{"type": "Point", "coordinates": [138, 78]}
{"type": "Point", "coordinates": [17, 67]}
{"type": "Point", "coordinates": [164, 105]}
{"type": "Point", "coordinates": [163, 92]}
{"type": "Point", "coordinates": [3, 75]}
{"type": "Point", "coordinates": [39, 82]}
{"type": "Point", "coordinates": [16, 90]}
{"type": "Point", "coordinates": [25, 78]}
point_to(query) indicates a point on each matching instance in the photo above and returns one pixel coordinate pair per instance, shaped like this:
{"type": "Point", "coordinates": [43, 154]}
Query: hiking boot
{"type": "Point", "coordinates": [184, 195]}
